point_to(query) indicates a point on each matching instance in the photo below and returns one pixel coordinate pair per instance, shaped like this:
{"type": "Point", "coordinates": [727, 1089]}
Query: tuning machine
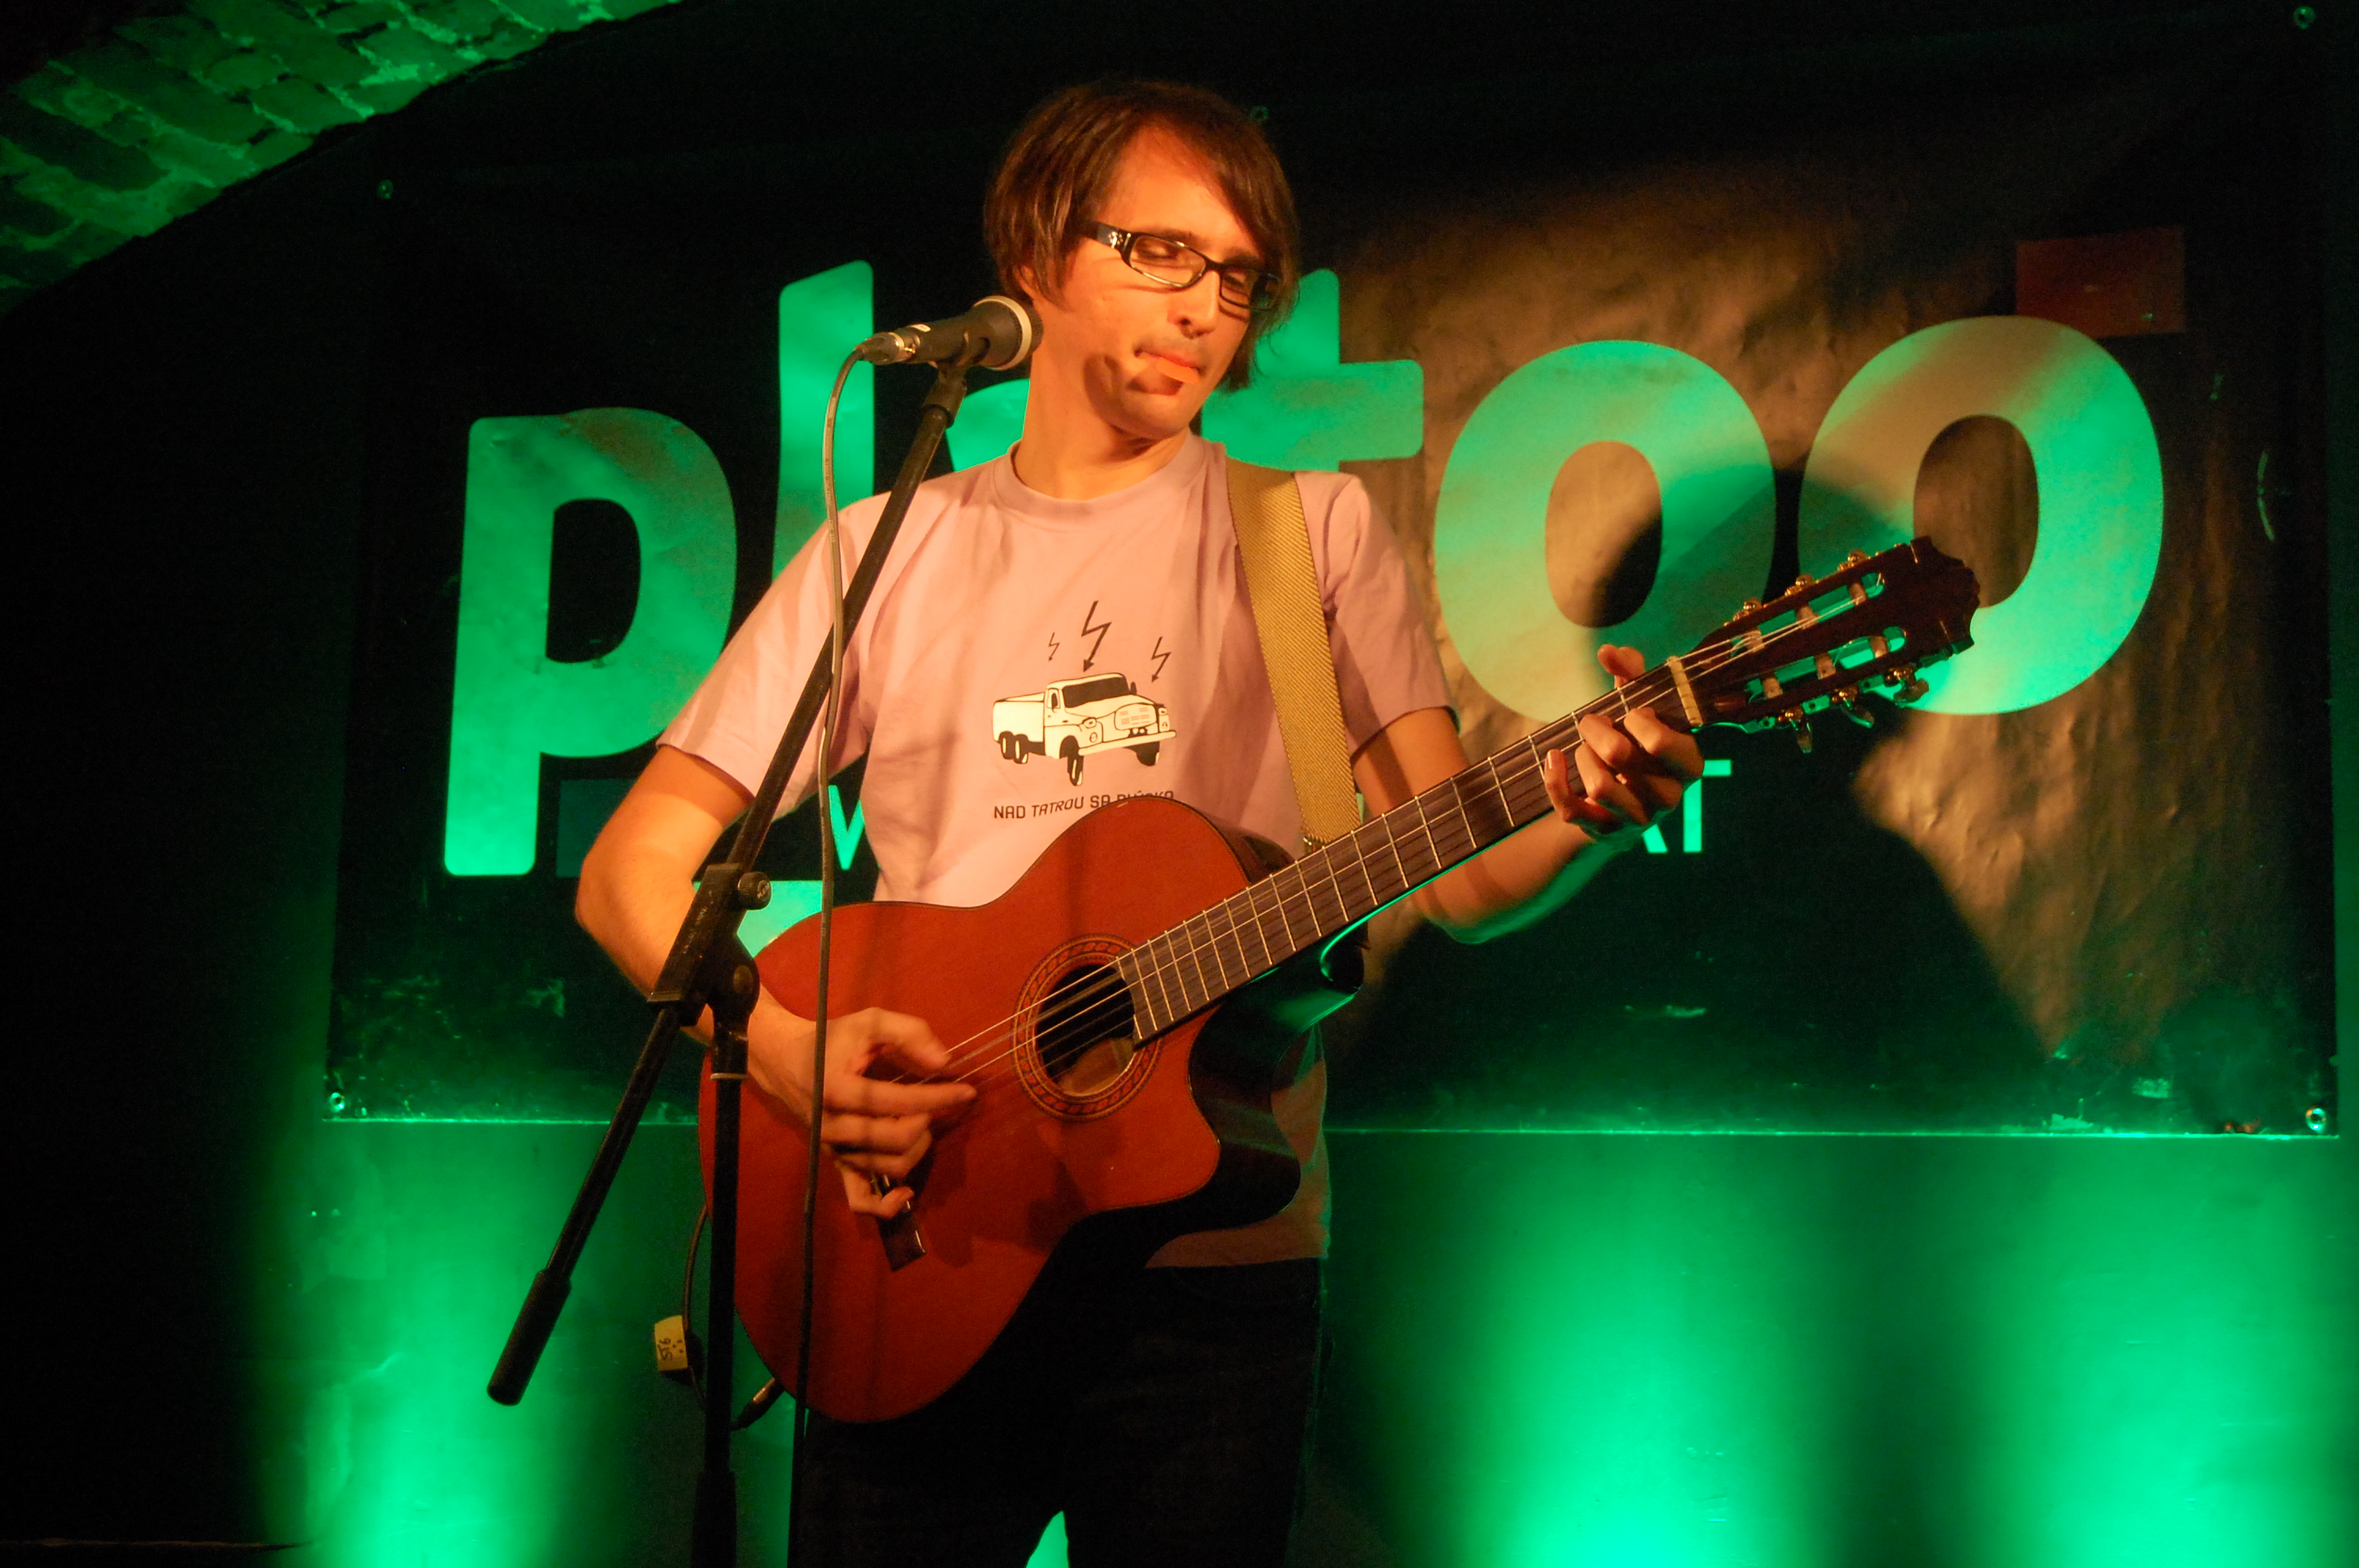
{"type": "Point", "coordinates": [1907, 685]}
{"type": "Point", "coordinates": [1801, 728]}
{"type": "Point", "coordinates": [1847, 699]}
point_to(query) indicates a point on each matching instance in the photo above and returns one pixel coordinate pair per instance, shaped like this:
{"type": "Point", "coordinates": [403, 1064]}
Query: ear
{"type": "Point", "coordinates": [1027, 282]}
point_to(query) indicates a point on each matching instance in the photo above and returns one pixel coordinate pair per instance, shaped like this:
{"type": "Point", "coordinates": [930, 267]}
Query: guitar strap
{"type": "Point", "coordinates": [1274, 539]}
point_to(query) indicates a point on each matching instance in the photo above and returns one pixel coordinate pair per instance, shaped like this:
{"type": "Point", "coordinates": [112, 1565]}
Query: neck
{"type": "Point", "coordinates": [1070, 451]}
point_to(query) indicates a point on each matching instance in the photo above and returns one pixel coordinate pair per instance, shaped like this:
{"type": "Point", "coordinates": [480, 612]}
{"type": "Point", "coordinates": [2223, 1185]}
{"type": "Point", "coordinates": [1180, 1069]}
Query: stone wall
{"type": "Point", "coordinates": [116, 139]}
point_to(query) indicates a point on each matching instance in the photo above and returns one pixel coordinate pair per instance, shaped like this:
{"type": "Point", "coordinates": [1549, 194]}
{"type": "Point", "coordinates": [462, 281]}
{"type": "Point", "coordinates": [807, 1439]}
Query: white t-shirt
{"type": "Point", "coordinates": [1026, 658]}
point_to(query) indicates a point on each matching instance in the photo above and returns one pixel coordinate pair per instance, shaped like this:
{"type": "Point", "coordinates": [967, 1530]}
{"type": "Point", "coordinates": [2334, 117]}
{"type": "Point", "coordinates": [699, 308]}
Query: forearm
{"type": "Point", "coordinates": [1518, 880]}
{"type": "Point", "coordinates": [637, 885]}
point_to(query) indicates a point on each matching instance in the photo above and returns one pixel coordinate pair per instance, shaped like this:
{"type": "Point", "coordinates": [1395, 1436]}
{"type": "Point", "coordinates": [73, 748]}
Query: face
{"type": "Point", "coordinates": [1142, 355]}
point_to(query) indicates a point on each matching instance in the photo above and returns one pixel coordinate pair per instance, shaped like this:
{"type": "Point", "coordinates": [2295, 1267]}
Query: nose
{"type": "Point", "coordinates": [1197, 307]}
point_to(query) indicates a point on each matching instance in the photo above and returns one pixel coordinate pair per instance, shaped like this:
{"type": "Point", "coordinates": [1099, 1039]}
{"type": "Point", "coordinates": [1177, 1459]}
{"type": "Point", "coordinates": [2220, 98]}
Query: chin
{"type": "Point", "coordinates": [1156, 419]}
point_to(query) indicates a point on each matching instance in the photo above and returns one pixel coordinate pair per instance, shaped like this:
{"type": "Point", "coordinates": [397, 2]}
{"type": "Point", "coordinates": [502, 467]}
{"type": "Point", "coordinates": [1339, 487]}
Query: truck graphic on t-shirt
{"type": "Point", "coordinates": [1074, 718]}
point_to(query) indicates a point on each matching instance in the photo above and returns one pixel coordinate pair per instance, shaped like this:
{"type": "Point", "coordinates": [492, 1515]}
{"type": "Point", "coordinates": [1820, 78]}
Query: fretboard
{"type": "Point", "coordinates": [1331, 888]}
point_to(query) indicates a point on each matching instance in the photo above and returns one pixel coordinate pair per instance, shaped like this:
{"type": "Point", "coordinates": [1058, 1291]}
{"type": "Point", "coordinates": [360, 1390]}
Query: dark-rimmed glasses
{"type": "Point", "coordinates": [1176, 264]}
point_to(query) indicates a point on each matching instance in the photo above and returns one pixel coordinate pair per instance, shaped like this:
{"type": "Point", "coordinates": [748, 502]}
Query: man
{"type": "Point", "coordinates": [1163, 1410]}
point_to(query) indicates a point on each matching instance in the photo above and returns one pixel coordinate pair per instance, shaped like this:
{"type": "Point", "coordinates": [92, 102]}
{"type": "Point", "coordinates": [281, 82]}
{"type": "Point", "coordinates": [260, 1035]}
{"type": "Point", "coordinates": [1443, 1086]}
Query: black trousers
{"type": "Point", "coordinates": [1164, 1411]}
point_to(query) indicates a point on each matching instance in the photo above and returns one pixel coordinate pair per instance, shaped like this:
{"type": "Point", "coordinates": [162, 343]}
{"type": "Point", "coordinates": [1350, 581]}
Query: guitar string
{"type": "Point", "coordinates": [1646, 686]}
{"type": "Point", "coordinates": [1520, 772]}
{"type": "Point", "coordinates": [1707, 659]}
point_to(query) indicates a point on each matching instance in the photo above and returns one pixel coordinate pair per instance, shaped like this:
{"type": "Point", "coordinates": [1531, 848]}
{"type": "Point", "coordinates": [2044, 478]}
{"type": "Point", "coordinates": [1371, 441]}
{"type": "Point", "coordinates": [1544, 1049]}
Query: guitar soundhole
{"type": "Point", "coordinates": [1085, 1032]}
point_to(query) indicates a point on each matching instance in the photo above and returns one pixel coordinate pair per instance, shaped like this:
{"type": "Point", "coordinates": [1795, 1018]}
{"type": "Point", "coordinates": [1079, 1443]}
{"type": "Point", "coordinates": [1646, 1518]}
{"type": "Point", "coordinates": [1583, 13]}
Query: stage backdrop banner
{"type": "Point", "coordinates": [1609, 369]}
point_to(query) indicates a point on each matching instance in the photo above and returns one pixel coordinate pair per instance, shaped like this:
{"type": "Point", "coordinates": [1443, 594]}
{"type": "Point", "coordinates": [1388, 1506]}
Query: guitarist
{"type": "Point", "coordinates": [1093, 569]}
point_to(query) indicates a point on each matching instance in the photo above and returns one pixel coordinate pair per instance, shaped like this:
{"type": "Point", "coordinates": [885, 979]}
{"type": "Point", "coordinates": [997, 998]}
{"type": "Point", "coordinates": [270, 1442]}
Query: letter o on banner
{"type": "Point", "coordinates": [2099, 486]}
{"type": "Point", "coordinates": [1490, 527]}
{"type": "Point", "coordinates": [511, 704]}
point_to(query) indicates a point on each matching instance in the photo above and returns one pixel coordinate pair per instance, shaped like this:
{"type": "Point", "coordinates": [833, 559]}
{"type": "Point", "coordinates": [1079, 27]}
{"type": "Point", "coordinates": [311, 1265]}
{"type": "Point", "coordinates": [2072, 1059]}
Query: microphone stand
{"type": "Point", "coordinates": [709, 967]}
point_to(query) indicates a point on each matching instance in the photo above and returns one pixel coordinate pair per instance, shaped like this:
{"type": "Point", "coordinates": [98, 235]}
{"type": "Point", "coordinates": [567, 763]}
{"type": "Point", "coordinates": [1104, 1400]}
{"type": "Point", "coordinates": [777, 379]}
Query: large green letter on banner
{"type": "Point", "coordinates": [2100, 476]}
{"type": "Point", "coordinates": [1306, 408]}
{"type": "Point", "coordinates": [820, 319]}
{"type": "Point", "coordinates": [1490, 526]}
{"type": "Point", "coordinates": [511, 703]}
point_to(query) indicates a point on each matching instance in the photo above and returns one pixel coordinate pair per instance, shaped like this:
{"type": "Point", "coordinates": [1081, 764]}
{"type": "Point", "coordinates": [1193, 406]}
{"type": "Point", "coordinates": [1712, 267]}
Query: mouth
{"type": "Point", "coordinates": [1174, 365]}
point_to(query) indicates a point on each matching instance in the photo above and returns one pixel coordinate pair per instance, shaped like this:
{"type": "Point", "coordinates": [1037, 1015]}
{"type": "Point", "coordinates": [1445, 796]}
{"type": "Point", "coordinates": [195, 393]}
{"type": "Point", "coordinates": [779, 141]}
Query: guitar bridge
{"type": "Point", "coordinates": [904, 1242]}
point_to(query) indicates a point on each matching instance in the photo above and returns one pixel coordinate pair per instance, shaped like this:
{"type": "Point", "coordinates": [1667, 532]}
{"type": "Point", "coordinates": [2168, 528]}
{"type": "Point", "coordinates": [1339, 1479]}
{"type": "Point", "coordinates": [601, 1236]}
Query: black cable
{"type": "Point", "coordinates": [830, 544]}
{"type": "Point", "coordinates": [687, 1308]}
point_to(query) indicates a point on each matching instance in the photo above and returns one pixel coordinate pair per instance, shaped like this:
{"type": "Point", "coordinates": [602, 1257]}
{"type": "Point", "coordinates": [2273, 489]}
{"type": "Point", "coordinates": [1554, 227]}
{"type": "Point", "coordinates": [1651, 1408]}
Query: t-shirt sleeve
{"type": "Point", "coordinates": [737, 716]}
{"type": "Point", "coordinates": [1385, 665]}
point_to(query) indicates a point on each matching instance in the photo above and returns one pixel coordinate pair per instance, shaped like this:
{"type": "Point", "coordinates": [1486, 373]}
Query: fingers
{"type": "Point", "coordinates": [861, 1195]}
{"type": "Point", "coordinates": [895, 1037]}
{"type": "Point", "coordinates": [1630, 772]}
{"type": "Point", "coordinates": [1571, 800]}
{"type": "Point", "coordinates": [1673, 751]}
{"type": "Point", "coordinates": [851, 1092]}
{"type": "Point", "coordinates": [1602, 746]}
{"type": "Point", "coordinates": [875, 1155]}
{"type": "Point", "coordinates": [875, 1123]}
{"type": "Point", "coordinates": [1622, 664]}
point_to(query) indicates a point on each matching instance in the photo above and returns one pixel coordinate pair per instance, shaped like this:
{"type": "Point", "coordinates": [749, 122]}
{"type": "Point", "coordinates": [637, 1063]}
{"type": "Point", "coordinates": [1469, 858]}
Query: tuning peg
{"type": "Point", "coordinates": [1855, 558]}
{"type": "Point", "coordinates": [1906, 686]}
{"type": "Point", "coordinates": [1805, 580]}
{"type": "Point", "coordinates": [1801, 728]}
{"type": "Point", "coordinates": [1848, 698]}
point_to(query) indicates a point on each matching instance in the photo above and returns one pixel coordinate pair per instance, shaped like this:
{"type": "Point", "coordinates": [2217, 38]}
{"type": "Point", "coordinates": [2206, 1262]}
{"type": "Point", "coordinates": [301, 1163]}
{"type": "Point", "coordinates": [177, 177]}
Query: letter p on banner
{"type": "Point", "coordinates": [510, 703]}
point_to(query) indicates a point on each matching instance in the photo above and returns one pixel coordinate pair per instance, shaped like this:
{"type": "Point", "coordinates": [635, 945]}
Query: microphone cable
{"type": "Point", "coordinates": [831, 545]}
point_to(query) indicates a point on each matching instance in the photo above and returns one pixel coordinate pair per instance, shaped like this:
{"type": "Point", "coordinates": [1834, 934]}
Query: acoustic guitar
{"type": "Point", "coordinates": [1128, 1008]}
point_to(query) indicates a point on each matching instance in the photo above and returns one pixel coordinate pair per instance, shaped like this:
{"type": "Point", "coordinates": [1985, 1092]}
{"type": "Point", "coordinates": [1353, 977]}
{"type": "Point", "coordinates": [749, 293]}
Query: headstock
{"type": "Point", "coordinates": [1870, 625]}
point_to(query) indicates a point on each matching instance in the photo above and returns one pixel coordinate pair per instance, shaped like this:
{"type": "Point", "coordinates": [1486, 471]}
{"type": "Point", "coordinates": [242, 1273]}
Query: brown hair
{"type": "Point", "coordinates": [1059, 163]}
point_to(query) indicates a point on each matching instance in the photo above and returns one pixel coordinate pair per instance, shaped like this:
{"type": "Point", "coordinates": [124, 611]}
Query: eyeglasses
{"type": "Point", "coordinates": [1176, 265]}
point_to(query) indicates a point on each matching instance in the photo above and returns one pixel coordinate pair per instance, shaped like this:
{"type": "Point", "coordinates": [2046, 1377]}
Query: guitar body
{"type": "Point", "coordinates": [1143, 1141]}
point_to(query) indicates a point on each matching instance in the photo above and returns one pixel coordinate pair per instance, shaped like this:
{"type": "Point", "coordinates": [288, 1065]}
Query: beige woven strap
{"type": "Point", "coordinates": [1266, 506]}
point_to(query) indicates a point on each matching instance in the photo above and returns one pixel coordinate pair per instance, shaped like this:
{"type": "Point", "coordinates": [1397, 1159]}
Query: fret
{"type": "Point", "coordinates": [1165, 1005]}
{"type": "Point", "coordinates": [1212, 944]}
{"type": "Point", "coordinates": [1466, 824]}
{"type": "Point", "coordinates": [1433, 850]}
{"type": "Point", "coordinates": [1293, 906]}
{"type": "Point", "coordinates": [1144, 1012]}
{"type": "Point", "coordinates": [1268, 897]}
{"type": "Point", "coordinates": [1400, 872]}
{"type": "Point", "coordinates": [1365, 902]}
{"type": "Point", "coordinates": [1169, 980]}
{"type": "Point", "coordinates": [1220, 926]}
{"type": "Point", "coordinates": [1317, 867]}
{"type": "Point", "coordinates": [1191, 964]}
{"type": "Point", "coordinates": [1286, 894]}
{"type": "Point", "coordinates": [1486, 823]}
{"type": "Point", "coordinates": [1260, 897]}
{"type": "Point", "coordinates": [1294, 943]}
{"type": "Point", "coordinates": [1450, 832]}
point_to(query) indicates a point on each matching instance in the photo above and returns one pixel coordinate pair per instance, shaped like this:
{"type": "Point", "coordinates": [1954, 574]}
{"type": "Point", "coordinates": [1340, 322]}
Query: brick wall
{"type": "Point", "coordinates": [116, 139]}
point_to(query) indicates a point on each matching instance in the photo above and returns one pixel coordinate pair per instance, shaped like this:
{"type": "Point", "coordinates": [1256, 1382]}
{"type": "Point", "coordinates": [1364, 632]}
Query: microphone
{"type": "Point", "coordinates": [999, 333]}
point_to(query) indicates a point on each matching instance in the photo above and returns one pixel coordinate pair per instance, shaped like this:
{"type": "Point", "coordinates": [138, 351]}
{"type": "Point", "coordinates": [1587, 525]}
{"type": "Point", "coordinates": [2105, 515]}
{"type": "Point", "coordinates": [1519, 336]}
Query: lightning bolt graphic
{"type": "Point", "coordinates": [1101, 629]}
{"type": "Point", "coordinates": [1052, 647]}
{"type": "Point", "coordinates": [1161, 656]}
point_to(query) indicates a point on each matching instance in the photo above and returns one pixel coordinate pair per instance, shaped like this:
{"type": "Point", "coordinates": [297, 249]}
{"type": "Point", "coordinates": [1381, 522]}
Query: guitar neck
{"type": "Point", "coordinates": [1869, 625]}
{"type": "Point", "coordinates": [1312, 900]}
